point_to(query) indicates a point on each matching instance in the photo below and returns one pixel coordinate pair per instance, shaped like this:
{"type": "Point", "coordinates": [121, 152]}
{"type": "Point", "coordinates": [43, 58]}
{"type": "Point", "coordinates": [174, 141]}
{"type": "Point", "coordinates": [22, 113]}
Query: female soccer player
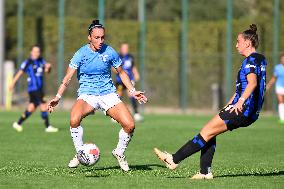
{"type": "Point", "coordinates": [278, 77]}
{"type": "Point", "coordinates": [34, 67]}
{"type": "Point", "coordinates": [241, 111]}
{"type": "Point", "coordinates": [93, 64]}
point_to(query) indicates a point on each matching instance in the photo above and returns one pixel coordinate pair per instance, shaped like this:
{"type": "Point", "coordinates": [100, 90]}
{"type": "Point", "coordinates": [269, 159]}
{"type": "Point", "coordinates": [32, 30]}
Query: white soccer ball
{"type": "Point", "coordinates": [88, 154]}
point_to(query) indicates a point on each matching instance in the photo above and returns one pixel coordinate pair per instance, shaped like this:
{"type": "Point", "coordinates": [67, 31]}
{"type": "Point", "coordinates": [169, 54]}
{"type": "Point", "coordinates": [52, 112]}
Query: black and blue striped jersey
{"type": "Point", "coordinates": [127, 66]}
{"type": "Point", "coordinates": [256, 64]}
{"type": "Point", "coordinates": [35, 71]}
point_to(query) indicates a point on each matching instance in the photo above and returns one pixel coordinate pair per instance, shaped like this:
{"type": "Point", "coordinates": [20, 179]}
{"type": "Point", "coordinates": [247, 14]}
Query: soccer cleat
{"type": "Point", "coordinates": [121, 160]}
{"type": "Point", "coordinates": [74, 162]}
{"type": "Point", "coordinates": [17, 127]}
{"type": "Point", "coordinates": [166, 158]}
{"type": "Point", "coordinates": [200, 176]}
{"type": "Point", "coordinates": [138, 117]}
{"type": "Point", "coordinates": [51, 129]}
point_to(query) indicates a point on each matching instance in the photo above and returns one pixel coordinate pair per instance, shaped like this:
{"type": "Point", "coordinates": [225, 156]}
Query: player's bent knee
{"type": "Point", "coordinates": [75, 121]}
{"type": "Point", "coordinates": [207, 135]}
{"type": "Point", "coordinates": [31, 108]}
{"type": "Point", "coordinates": [43, 107]}
{"type": "Point", "coordinates": [129, 126]}
{"type": "Point", "coordinates": [128, 129]}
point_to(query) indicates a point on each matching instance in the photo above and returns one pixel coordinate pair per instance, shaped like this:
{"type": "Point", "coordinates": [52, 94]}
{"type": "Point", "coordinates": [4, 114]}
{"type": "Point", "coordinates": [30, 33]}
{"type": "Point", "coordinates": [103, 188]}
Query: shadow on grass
{"type": "Point", "coordinates": [98, 175]}
{"type": "Point", "coordinates": [280, 173]}
{"type": "Point", "coordinates": [177, 177]}
{"type": "Point", "coordinates": [133, 167]}
{"type": "Point", "coordinates": [144, 167]}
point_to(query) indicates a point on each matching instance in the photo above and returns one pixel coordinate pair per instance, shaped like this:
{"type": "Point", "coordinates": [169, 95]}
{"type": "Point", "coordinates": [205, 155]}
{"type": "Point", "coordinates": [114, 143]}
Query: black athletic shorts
{"type": "Point", "coordinates": [36, 97]}
{"type": "Point", "coordinates": [234, 121]}
{"type": "Point", "coordinates": [120, 86]}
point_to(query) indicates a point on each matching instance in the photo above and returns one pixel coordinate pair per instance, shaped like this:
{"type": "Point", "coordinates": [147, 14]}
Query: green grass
{"type": "Point", "coordinates": [246, 158]}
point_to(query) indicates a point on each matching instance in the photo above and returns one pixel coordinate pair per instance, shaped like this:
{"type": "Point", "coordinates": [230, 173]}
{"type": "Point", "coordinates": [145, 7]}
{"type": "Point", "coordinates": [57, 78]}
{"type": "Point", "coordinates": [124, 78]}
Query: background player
{"type": "Point", "coordinates": [35, 67]}
{"type": "Point", "coordinates": [278, 77]}
{"type": "Point", "coordinates": [133, 74]}
{"type": "Point", "coordinates": [241, 111]}
{"type": "Point", "coordinates": [93, 63]}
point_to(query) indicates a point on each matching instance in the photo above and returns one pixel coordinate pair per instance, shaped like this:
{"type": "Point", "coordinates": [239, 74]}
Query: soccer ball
{"type": "Point", "coordinates": [88, 154]}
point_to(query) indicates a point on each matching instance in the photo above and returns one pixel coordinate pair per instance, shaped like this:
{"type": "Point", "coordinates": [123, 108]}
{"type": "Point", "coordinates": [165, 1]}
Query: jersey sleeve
{"type": "Point", "coordinates": [115, 61]}
{"type": "Point", "coordinates": [24, 65]}
{"type": "Point", "coordinates": [75, 61]}
{"type": "Point", "coordinates": [275, 71]}
{"type": "Point", "coordinates": [250, 67]}
{"type": "Point", "coordinates": [43, 62]}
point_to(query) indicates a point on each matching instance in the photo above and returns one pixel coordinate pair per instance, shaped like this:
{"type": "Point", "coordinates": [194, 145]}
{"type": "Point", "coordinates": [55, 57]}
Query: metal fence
{"type": "Point", "coordinates": [180, 58]}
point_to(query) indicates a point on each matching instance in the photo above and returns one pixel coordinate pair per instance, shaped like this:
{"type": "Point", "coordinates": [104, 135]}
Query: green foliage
{"type": "Point", "coordinates": [206, 52]}
{"type": "Point", "coordinates": [165, 10]}
{"type": "Point", "coordinates": [207, 39]}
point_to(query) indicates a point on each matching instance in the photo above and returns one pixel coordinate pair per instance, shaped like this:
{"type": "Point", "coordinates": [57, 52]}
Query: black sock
{"type": "Point", "coordinates": [24, 116]}
{"type": "Point", "coordinates": [189, 148]}
{"type": "Point", "coordinates": [134, 104]}
{"type": "Point", "coordinates": [206, 156]}
{"type": "Point", "coordinates": [44, 116]}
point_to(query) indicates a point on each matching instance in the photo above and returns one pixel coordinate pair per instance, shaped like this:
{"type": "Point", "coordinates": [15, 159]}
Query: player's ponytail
{"type": "Point", "coordinates": [253, 28]}
{"type": "Point", "coordinates": [251, 35]}
{"type": "Point", "coordinates": [94, 24]}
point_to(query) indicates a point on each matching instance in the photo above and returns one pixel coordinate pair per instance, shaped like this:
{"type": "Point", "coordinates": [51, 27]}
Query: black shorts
{"type": "Point", "coordinates": [120, 86]}
{"type": "Point", "coordinates": [234, 121]}
{"type": "Point", "coordinates": [36, 97]}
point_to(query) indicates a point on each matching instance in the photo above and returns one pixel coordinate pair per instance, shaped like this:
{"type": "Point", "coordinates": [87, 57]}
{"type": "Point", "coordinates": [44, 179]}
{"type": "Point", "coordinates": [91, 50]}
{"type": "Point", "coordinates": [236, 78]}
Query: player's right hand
{"type": "Point", "coordinates": [47, 68]}
{"type": "Point", "coordinates": [11, 87]}
{"type": "Point", "coordinates": [140, 97]}
{"type": "Point", "coordinates": [51, 105]}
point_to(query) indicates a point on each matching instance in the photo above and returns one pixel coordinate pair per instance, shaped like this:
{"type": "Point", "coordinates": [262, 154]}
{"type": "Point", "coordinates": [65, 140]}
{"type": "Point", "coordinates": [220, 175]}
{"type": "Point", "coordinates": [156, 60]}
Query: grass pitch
{"type": "Point", "coordinates": [246, 158]}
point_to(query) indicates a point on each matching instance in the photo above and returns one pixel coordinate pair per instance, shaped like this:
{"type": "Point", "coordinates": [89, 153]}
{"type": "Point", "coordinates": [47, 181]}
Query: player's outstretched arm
{"type": "Point", "coordinates": [138, 95]}
{"type": "Point", "coordinates": [271, 83]}
{"type": "Point", "coordinates": [65, 82]}
{"type": "Point", "coordinates": [15, 79]}
{"type": "Point", "coordinates": [135, 73]}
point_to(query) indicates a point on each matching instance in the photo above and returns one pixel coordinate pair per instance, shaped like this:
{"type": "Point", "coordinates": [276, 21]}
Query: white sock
{"type": "Point", "coordinates": [123, 141]}
{"type": "Point", "coordinates": [281, 111]}
{"type": "Point", "coordinates": [77, 137]}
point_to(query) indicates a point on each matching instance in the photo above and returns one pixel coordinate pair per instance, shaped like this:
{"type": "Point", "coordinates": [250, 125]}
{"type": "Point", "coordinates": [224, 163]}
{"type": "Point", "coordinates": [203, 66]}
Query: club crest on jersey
{"type": "Point", "coordinates": [103, 57]}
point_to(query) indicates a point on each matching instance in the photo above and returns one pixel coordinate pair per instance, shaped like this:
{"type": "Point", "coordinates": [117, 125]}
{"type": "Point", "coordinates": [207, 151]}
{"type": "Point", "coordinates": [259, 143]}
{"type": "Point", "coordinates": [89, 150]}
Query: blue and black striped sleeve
{"type": "Point", "coordinates": [250, 67]}
{"type": "Point", "coordinates": [24, 65]}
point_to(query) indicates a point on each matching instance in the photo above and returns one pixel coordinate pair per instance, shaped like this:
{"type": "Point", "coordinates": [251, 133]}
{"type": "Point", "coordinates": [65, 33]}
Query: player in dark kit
{"type": "Point", "coordinates": [241, 111]}
{"type": "Point", "coordinates": [34, 67]}
{"type": "Point", "coordinates": [133, 74]}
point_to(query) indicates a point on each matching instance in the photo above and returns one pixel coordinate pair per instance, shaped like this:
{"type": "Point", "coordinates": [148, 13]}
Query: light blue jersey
{"type": "Point", "coordinates": [279, 74]}
{"type": "Point", "coordinates": [94, 69]}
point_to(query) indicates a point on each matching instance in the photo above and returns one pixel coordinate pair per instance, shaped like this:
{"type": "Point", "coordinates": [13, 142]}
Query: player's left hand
{"type": "Point", "coordinates": [238, 107]}
{"type": "Point", "coordinates": [47, 67]}
{"type": "Point", "coordinates": [140, 97]}
{"type": "Point", "coordinates": [51, 105]}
